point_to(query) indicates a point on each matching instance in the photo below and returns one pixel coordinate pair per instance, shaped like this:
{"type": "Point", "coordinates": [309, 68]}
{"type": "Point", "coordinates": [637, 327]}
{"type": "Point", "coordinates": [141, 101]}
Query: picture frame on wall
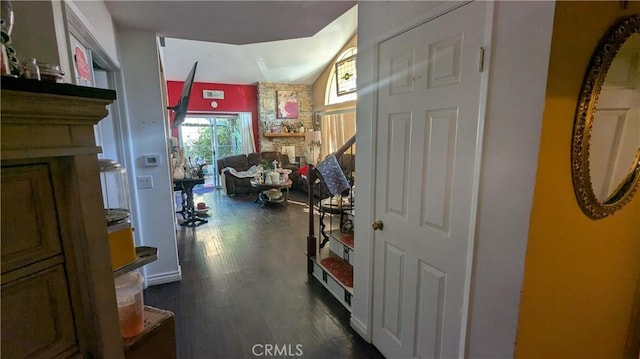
{"type": "Point", "coordinates": [317, 119]}
{"type": "Point", "coordinates": [287, 104]}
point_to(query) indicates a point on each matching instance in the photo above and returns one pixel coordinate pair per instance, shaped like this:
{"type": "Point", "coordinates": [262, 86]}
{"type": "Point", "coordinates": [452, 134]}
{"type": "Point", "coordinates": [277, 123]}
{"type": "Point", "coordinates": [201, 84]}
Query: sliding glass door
{"type": "Point", "coordinates": [208, 138]}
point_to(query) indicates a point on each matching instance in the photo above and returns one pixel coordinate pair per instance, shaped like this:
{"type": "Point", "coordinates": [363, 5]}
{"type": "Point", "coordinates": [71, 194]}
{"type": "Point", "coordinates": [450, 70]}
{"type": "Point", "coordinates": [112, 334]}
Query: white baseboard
{"type": "Point", "coordinates": [163, 278]}
{"type": "Point", "coordinates": [360, 328]}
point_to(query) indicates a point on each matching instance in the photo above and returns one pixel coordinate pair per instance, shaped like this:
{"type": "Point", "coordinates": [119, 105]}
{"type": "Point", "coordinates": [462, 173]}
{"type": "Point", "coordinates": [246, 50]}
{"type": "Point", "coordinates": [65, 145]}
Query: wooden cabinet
{"type": "Point", "coordinates": [31, 193]}
{"type": "Point", "coordinates": [58, 296]}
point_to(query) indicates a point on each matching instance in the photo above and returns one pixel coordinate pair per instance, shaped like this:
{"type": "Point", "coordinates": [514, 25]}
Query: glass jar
{"type": "Point", "coordinates": [115, 191]}
{"type": "Point", "coordinates": [30, 69]}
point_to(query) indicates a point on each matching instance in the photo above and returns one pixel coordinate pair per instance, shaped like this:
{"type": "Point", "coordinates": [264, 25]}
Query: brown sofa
{"type": "Point", "coordinates": [234, 185]}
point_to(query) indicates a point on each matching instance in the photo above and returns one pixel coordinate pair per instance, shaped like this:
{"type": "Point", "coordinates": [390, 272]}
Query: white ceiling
{"type": "Point", "coordinates": [243, 42]}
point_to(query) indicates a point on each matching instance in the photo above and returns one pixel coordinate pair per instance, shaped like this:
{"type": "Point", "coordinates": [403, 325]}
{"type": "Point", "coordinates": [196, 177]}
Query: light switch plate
{"type": "Point", "coordinates": [144, 181]}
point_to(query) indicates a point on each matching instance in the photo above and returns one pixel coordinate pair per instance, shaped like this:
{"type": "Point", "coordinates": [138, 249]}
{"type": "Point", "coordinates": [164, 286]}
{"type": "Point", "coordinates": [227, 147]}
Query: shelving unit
{"type": "Point", "coordinates": [333, 263]}
{"type": "Point", "coordinates": [288, 134]}
{"type": "Point", "coordinates": [158, 335]}
{"type": "Point", "coordinates": [345, 239]}
{"type": "Point", "coordinates": [331, 254]}
{"type": "Point", "coordinates": [144, 255]}
{"type": "Point", "coordinates": [157, 338]}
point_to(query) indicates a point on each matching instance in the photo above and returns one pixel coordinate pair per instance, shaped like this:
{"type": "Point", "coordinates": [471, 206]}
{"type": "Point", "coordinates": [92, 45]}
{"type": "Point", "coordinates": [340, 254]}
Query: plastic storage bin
{"type": "Point", "coordinates": [130, 303]}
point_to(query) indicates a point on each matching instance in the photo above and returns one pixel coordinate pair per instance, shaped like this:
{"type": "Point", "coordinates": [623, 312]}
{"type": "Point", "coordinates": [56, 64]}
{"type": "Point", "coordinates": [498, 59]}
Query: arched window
{"type": "Point", "coordinates": [346, 66]}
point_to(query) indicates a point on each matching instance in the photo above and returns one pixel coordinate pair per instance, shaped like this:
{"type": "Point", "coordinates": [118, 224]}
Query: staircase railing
{"type": "Point", "coordinates": [312, 176]}
{"type": "Point", "coordinates": [345, 147]}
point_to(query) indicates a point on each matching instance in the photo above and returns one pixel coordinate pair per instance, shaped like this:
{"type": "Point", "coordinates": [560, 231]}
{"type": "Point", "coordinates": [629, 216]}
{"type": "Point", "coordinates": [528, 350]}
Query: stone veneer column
{"type": "Point", "coordinates": [267, 113]}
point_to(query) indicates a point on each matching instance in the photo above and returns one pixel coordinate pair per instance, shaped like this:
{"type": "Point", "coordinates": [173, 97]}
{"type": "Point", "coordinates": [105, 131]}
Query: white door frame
{"type": "Point", "coordinates": [519, 55]}
{"type": "Point", "coordinates": [76, 28]}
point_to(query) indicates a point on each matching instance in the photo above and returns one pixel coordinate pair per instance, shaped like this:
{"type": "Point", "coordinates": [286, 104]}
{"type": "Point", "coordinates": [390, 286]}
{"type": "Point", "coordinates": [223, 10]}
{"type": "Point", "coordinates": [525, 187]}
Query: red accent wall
{"type": "Point", "coordinates": [237, 98]}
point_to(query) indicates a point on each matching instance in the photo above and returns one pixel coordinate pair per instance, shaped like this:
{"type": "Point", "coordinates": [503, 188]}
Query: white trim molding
{"type": "Point", "coordinates": [360, 328]}
{"type": "Point", "coordinates": [163, 278]}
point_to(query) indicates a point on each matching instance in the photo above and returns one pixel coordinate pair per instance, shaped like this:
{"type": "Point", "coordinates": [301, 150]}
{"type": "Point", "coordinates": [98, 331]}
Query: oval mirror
{"type": "Point", "coordinates": [605, 154]}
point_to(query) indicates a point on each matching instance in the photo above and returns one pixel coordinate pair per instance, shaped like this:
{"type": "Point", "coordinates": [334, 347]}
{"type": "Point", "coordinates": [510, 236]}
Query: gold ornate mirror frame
{"type": "Point", "coordinates": [583, 123]}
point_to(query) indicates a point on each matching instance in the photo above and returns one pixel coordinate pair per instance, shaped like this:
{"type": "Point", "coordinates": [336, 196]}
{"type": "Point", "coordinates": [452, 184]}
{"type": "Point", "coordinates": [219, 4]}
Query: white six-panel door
{"type": "Point", "coordinates": [427, 139]}
{"type": "Point", "coordinates": [615, 136]}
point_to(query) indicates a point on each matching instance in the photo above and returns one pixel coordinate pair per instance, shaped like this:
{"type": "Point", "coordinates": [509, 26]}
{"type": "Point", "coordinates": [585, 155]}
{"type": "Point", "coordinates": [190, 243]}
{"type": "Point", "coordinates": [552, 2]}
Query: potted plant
{"type": "Point", "coordinates": [266, 165]}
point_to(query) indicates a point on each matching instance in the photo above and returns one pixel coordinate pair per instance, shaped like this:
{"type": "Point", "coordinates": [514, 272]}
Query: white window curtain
{"type": "Point", "coordinates": [336, 129]}
{"type": "Point", "coordinates": [246, 130]}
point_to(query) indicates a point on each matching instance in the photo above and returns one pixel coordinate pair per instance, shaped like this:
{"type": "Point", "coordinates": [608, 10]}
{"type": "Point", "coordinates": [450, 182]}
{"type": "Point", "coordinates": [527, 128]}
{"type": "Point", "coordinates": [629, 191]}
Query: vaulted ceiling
{"type": "Point", "coordinates": [243, 42]}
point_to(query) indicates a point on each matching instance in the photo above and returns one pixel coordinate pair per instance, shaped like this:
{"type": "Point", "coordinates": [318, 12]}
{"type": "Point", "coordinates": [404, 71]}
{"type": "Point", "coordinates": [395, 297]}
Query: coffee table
{"type": "Point", "coordinates": [261, 187]}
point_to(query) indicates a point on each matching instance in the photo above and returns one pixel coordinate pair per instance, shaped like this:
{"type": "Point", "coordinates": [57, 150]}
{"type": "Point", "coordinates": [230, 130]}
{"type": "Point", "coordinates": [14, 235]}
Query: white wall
{"type": "Point", "coordinates": [96, 18]}
{"type": "Point", "coordinates": [34, 32]}
{"type": "Point", "coordinates": [142, 93]}
{"type": "Point", "coordinates": [41, 29]}
{"type": "Point", "coordinates": [41, 32]}
{"type": "Point", "coordinates": [517, 85]}
{"type": "Point", "coordinates": [108, 136]}
{"type": "Point", "coordinates": [517, 89]}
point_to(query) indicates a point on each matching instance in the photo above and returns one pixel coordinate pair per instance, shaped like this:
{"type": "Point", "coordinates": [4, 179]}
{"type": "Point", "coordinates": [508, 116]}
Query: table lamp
{"type": "Point", "coordinates": [313, 137]}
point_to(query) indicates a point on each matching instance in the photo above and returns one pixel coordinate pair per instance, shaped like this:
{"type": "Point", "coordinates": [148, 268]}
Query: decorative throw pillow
{"type": "Point", "coordinates": [304, 170]}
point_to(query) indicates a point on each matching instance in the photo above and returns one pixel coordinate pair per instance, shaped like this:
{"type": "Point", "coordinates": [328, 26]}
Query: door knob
{"type": "Point", "coordinates": [377, 225]}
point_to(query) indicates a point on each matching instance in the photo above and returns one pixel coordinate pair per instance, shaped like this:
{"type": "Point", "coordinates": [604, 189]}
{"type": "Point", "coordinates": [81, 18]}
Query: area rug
{"type": "Point", "coordinates": [348, 239]}
{"type": "Point", "coordinates": [339, 269]}
{"type": "Point", "coordinates": [205, 188]}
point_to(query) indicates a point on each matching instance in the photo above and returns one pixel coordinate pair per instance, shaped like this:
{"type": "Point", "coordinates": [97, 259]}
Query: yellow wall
{"type": "Point", "coordinates": [580, 274]}
{"type": "Point", "coordinates": [319, 87]}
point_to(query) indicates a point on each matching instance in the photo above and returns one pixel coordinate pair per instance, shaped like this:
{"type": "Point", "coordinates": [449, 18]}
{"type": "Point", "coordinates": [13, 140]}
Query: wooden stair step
{"type": "Point", "coordinates": [344, 238]}
{"type": "Point", "coordinates": [339, 269]}
{"type": "Point", "coordinates": [347, 238]}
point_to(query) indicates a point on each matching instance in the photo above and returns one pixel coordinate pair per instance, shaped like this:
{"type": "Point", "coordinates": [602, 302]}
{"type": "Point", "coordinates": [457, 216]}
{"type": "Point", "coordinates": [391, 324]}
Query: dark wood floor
{"type": "Point", "coordinates": [244, 283]}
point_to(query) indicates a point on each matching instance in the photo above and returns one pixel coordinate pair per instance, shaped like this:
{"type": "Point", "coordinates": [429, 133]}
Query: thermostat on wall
{"type": "Point", "coordinates": [213, 94]}
{"type": "Point", "coordinates": [151, 160]}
